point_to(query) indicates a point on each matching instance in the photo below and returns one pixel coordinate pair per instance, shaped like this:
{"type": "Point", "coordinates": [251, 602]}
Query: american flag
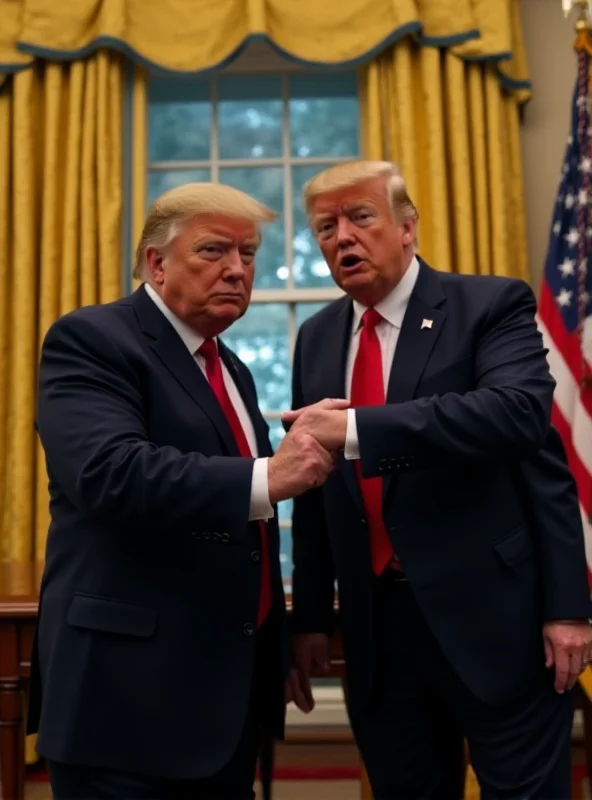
{"type": "Point", "coordinates": [564, 308]}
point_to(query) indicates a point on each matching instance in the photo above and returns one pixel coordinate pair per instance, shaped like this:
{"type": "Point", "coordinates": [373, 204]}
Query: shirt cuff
{"type": "Point", "coordinates": [352, 447]}
{"type": "Point", "coordinates": [260, 505]}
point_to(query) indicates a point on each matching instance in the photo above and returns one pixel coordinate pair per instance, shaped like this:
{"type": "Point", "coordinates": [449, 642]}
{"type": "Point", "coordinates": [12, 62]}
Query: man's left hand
{"type": "Point", "coordinates": [568, 646]}
{"type": "Point", "coordinates": [327, 424]}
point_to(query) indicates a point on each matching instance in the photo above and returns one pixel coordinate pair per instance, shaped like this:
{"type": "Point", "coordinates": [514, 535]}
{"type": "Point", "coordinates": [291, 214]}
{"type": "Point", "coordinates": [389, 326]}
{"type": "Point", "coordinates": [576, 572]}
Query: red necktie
{"type": "Point", "coordinates": [209, 351]}
{"type": "Point", "coordinates": [367, 389]}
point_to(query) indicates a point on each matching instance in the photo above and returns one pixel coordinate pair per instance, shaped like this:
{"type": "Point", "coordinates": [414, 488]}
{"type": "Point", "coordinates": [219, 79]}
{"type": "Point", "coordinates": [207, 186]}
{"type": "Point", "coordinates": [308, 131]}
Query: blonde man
{"type": "Point", "coordinates": [452, 523]}
{"type": "Point", "coordinates": [162, 610]}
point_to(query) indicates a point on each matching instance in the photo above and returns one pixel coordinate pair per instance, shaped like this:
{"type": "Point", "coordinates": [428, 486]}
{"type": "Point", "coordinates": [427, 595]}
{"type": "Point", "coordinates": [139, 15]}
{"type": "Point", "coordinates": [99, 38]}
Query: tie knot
{"type": "Point", "coordinates": [371, 318]}
{"type": "Point", "coordinates": [209, 351]}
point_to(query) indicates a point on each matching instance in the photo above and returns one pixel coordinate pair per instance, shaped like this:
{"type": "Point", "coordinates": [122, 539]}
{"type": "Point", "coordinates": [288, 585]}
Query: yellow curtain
{"type": "Point", "coordinates": [139, 155]}
{"type": "Point", "coordinates": [454, 130]}
{"type": "Point", "coordinates": [60, 217]}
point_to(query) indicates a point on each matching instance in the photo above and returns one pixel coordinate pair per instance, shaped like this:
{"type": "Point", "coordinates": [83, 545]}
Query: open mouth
{"type": "Point", "coordinates": [351, 261]}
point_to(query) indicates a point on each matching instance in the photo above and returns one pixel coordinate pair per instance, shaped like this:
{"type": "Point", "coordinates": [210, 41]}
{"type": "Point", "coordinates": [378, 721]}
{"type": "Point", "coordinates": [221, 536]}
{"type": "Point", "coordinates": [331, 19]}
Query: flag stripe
{"type": "Point", "coordinates": [563, 344]}
{"type": "Point", "coordinates": [576, 421]}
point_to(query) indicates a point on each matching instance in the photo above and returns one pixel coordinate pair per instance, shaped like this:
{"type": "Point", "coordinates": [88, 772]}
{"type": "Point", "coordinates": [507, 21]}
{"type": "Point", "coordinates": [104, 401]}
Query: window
{"type": "Point", "coordinates": [265, 134]}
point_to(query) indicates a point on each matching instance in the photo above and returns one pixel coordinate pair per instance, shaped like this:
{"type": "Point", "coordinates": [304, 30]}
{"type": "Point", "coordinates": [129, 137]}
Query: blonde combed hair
{"type": "Point", "coordinates": [351, 173]}
{"type": "Point", "coordinates": [173, 208]}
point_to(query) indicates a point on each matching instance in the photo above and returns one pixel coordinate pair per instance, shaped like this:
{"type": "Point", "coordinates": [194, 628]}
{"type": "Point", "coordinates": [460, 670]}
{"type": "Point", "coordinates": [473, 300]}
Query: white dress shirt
{"type": "Point", "coordinates": [260, 505]}
{"type": "Point", "coordinates": [392, 310]}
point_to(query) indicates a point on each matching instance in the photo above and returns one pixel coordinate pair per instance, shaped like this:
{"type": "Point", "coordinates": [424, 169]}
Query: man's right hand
{"type": "Point", "coordinates": [311, 655]}
{"type": "Point", "coordinates": [300, 463]}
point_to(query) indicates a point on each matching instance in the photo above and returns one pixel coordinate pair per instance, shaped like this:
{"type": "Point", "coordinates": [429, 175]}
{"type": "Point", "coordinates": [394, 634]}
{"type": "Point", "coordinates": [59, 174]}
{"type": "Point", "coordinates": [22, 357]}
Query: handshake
{"type": "Point", "coordinates": [307, 455]}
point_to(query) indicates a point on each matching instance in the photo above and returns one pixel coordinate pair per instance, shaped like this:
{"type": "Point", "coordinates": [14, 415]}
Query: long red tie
{"type": "Point", "coordinates": [209, 351]}
{"type": "Point", "coordinates": [367, 389]}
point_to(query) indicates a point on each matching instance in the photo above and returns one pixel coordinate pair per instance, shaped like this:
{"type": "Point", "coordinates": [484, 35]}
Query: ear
{"type": "Point", "coordinates": [155, 264]}
{"type": "Point", "coordinates": [409, 231]}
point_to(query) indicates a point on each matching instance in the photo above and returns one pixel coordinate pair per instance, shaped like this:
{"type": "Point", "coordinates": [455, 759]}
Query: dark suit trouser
{"type": "Point", "coordinates": [411, 736]}
{"type": "Point", "coordinates": [234, 782]}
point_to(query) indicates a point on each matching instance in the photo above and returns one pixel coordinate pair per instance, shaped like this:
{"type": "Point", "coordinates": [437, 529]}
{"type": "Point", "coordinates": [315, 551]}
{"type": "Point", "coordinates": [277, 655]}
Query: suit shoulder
{"type": "Point", "coordinates": [487, 287]}
{"type": "Point", "coordinates": [98, 316]}
{"type": "Point", "coordinates": [484, 283]}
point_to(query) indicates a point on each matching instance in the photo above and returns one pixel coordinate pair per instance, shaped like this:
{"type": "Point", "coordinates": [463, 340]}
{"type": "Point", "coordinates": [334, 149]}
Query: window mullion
{"type": "Point", "coordinates": [214, 132]}
{"type": "Point", "coordinates": [288, 210]}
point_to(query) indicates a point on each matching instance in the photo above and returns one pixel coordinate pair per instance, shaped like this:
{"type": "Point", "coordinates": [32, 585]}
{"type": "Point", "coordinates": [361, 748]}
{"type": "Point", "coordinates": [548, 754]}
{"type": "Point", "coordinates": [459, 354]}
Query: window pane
{"type": "Point", "coordinates": [286, 558]}
{"type": "Point", "coordinates": [276, 434]}
{"type": "Point", "coordinates": [250, 117]}
{"type": "Point", "coordinates": [179, 120]}
{"type": "Point", "coordinates": [324, 118]}
{"type": "Point", "coordinates": [260, 339]}
{"type": "Point", "coordinates": [160, 181]}
{"type": "Point", "coordinates": [309, 267]}
{"type": "Point", "coordinates": [266, 184]}
{"type": "Point", "coordinates": [306, 310]}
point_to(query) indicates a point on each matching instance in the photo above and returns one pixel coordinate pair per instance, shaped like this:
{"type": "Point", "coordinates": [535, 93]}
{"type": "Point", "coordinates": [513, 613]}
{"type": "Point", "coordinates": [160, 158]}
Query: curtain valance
{"type": "Point", "coordinates": [199, 35]}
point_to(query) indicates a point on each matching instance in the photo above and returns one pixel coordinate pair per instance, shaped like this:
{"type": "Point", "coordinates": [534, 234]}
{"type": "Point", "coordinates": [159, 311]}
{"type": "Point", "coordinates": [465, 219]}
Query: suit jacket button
{"type": "Point", "coordinates": [255, 556]}
{"type": "Point", "coordinates": [248, 629]}
{"type": "Point", "coordinates": [363, 521]}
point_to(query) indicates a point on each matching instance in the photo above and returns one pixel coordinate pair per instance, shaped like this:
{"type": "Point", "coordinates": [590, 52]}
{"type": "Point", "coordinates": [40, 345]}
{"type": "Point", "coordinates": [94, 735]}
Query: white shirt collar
{"type": "Point", "coordinates": [394, 305]}
{"type": "Point", "coordinates": [192, 340]}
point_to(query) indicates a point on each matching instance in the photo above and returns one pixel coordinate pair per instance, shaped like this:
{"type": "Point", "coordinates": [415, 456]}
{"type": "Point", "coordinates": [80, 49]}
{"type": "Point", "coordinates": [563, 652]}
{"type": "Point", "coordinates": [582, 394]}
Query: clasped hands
{"type": "Point", "coordinates": [308, 452]}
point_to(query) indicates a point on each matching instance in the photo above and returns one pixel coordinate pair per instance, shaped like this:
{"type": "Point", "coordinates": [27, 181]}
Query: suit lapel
{"type": "Point", "coordinates": [422, 325]}
{"type": "Point", "coordinates": [168, 346]}
{"type": "Point", "coordinates": [260, 427]}
{"type": "Point", "coordinates": [414, 348]}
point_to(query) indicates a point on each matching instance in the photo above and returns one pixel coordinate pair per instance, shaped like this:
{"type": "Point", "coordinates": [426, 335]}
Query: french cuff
{"type": "Point", "coordinates": [260, 506]}
{"type": "Point", "coordinates": [352, 447]}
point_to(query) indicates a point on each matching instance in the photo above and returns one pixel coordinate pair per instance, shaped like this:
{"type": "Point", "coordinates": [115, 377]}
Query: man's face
{"type": "Point", "coordinates": [365, 247]}
{"type": "Point", "coordinates": [205, 275]}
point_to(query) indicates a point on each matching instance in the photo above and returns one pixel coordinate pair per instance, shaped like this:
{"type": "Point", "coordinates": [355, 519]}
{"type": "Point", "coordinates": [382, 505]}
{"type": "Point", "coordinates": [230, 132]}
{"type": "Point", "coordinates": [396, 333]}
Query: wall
{"type": "Point", "coordinates": [552, 63]}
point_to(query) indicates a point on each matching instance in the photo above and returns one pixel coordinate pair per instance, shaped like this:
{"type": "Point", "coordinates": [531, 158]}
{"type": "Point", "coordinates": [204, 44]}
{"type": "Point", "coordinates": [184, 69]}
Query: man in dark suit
{"type": "Point", "coordinates": [162, 612]}
{"type": "Point", "coordinates": [451, 524]}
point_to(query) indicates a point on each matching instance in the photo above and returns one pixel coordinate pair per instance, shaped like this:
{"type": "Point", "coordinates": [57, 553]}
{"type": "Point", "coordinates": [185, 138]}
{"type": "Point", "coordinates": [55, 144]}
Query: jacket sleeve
{"type": "Point", "coordinates": [313, 578]}
{"type": "Point", "coordinates": [507, 415]}
{"type": "Point", "coordinates": [91, 421]}
{"type": "Point", "coordinates": [550, 498]}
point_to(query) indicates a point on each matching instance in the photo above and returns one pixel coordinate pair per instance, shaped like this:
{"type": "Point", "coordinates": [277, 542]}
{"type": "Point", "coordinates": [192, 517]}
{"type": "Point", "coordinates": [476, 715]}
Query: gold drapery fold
{"type": "Point", "coordinates": [139, 155]}
{"type": "Point", "coordinates": [201, 35]}
{"type": "Point", "coordinates": [60, 231]}
{"type": "Point", "coordinates": [454, 131]}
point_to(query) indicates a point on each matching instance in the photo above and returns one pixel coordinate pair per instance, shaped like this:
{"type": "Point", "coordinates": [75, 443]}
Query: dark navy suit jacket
{"type": "Point", "coordinates": [478, 501]}
{"type": "Point", "coordinates": [145, 640]}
